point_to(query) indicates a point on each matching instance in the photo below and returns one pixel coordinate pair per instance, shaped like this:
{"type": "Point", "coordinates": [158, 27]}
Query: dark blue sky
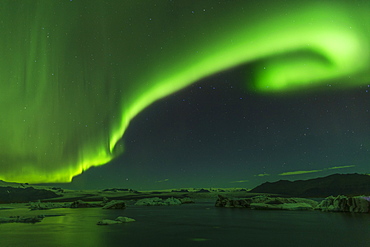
{"type": "Point", "coordinates": [217, 133]}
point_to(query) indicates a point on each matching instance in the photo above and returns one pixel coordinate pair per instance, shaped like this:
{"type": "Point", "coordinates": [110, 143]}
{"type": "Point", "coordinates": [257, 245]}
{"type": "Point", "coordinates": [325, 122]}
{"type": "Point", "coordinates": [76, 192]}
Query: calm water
{"type": "Point", "coordinates": [188, 225]}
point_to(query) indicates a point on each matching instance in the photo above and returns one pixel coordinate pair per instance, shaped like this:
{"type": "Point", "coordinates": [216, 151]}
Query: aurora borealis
{"type": "Point", "coordinates": [75, 74]}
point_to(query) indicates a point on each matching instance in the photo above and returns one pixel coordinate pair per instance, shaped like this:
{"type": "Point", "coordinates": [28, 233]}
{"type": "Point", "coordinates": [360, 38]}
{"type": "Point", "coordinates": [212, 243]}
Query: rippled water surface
{"type": "Point", "coordinates": [188, 225]}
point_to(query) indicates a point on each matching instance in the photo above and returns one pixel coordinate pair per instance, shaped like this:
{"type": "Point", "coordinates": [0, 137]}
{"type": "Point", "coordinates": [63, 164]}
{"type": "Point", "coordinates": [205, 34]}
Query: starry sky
{"type": "Point", "coordinates": [172, 94]}
{"type": "Point", "coordinates": [215, 133]}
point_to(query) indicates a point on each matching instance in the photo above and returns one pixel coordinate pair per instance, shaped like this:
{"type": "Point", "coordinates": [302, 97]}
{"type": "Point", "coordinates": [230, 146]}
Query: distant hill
{"type": "Point", "coordinates": [23, 192]}
{"type": "Point", "coordinates": [3, 183]}
{"type": "Point", "coordinates": [336, 184]}
{"type": "Point", "coordinates": [11, 194]}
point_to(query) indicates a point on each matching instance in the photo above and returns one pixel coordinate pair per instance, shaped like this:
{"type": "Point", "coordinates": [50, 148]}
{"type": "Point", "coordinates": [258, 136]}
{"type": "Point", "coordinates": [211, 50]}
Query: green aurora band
{"type": "Point", "coordinates": [75, 73]}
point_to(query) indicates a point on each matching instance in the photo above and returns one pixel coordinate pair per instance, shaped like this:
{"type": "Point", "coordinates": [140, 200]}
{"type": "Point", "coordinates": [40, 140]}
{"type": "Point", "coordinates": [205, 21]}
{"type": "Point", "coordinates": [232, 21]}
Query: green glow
{"type": "Point", "coordinates": [340, 167]}
{"type": "Point", "coordinates": [240, 181]}
{"type": "Point", "coordinates": [298, 172]}
{"type": "Point", "coordinates": [324, 169]}
{"type": "Point", "coordinates": [75, 73]}
{"type": "Point", "coordinates": [262, 175]}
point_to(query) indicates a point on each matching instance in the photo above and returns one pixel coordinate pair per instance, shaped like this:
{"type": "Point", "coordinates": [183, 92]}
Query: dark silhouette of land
{"type": "Point", "coordinates": [336, 184]}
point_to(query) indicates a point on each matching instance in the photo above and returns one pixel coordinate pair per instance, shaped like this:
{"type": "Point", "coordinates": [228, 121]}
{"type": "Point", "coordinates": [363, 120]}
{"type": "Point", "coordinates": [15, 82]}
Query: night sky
{"type": "Point", "coordinates": [177, 94]}
{"type": "Point", "coordinates": [215, 133]}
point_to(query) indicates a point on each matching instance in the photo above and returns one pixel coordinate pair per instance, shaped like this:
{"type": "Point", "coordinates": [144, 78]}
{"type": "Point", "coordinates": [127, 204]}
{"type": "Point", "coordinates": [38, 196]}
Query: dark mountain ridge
{"type": "Point", "coordinates": [336, 184]}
